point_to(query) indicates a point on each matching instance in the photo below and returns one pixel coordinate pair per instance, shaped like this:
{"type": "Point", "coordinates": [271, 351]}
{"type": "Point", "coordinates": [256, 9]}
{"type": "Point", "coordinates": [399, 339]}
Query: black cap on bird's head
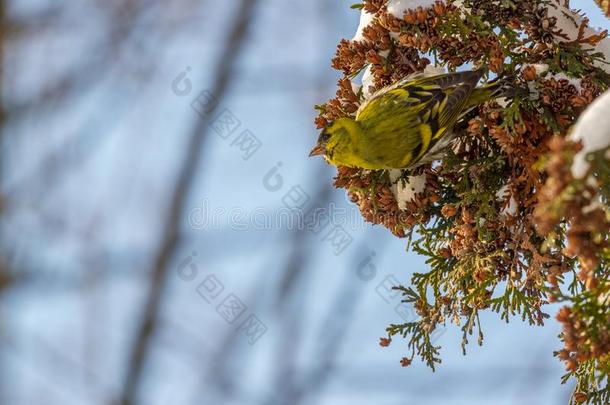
{"type": "Point", "coordinates": [320, 148]}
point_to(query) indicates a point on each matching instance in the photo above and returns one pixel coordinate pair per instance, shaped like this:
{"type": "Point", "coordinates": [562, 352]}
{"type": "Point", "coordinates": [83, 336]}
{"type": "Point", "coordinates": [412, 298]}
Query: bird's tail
{"type": "Point", "coordinates": [497, 88]}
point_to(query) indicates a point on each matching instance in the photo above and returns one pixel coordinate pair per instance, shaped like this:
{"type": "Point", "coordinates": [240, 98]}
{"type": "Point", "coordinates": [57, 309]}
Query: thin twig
{"type": "Point", "coordinates": [223, 74]}
{"type": "Point", "coordinates": [4, 270]}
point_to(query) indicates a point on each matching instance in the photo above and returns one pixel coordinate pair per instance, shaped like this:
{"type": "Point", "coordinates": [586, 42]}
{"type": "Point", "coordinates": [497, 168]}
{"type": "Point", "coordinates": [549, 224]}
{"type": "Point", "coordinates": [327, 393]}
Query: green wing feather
{"type": "Point", "coordinates": [414, 114]}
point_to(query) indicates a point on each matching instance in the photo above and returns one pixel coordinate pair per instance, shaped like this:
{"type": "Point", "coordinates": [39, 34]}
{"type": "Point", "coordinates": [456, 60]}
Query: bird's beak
{"type": "Point", "coordinates": [317, 151]}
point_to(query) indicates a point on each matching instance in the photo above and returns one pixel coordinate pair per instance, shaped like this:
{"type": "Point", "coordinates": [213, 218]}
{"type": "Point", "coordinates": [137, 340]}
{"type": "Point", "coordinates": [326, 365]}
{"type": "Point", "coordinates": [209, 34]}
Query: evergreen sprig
{"type": "Point", "coordinates": [502, 223]}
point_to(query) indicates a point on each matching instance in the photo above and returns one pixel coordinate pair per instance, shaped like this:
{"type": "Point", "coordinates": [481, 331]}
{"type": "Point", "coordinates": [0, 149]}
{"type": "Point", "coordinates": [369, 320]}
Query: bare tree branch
{"type": "Point", "coordinates": [4, 270]}
{"type": "Point", "coordinates": [223, 73]}
{"type": "Point", "coordinates": [79, 79]}
{"type": "Point", "coordinates": [335, 328]}
{"type": "Point", "coordinates": [287, 300]}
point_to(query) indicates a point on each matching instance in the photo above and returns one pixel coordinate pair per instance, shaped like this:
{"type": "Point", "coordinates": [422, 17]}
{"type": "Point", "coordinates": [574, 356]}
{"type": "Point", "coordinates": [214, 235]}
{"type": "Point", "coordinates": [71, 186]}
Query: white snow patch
{"type": "Point", "coordinates": [604, 298]}
{"type": "Point", "coordinates": [574, 82]}
{"type": "Point", "coordinates": [368, 81]}
{"type": "Point", "coordinates": [593, 130]}
{"type": "Point", "coordinates": [569, 21]}
{"type": "Point", "coordinates": [406, 191]}
{"type": "Point", "coordinates": [540, 68]}
{"type": "Point", "coordinates": [366, 19]}
{"type": "Point", "coordinates": [398, 7]}
{"type": "Point", "coordinates": [459, 4]}
{"type": "Point", "coordinates": [432, 70]}
{"type": "Point", "coordinates": [502, 102]}
{"type": "Point", "coordinates": [511, 209]}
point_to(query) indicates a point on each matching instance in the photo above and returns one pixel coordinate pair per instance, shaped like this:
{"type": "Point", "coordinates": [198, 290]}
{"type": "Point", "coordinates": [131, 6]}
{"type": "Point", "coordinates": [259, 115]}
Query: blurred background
{"type": "Point", "coordinates": [159, 237]}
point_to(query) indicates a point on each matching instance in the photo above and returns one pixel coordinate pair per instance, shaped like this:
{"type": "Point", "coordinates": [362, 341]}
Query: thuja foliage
{"type": "Point", "coordinates": [502, 221]}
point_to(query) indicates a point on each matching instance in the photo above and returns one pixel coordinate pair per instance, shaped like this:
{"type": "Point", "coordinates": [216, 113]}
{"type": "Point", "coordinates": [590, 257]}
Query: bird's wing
{"type": "Point", "coordinates": [385, 90]}
{"type": "Point", "coordinates": [458, 97]}
{"type": "Point", "coordinates": [437, 100]}
{"type": "Point", "coordinates": [412, 116]}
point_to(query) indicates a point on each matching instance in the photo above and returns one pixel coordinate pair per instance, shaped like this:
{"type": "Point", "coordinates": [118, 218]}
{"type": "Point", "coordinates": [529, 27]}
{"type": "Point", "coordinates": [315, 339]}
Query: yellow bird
{"type": "Point", "coordinates": [407, 124]}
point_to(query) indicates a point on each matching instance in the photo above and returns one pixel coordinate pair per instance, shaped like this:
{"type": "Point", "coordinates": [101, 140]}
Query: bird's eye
{"type": "Point", "coordinates": [324, 137]}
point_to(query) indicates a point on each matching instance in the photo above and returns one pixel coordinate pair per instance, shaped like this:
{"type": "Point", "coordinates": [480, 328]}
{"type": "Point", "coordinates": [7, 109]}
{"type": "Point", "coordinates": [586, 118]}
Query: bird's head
{"type": "Point", "coordinates": [336, 136]}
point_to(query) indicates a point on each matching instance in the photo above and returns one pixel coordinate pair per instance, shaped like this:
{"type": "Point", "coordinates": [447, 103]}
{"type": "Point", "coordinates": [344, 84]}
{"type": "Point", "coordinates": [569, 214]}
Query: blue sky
{"type": "Point", "coordinates": [100, 221]}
